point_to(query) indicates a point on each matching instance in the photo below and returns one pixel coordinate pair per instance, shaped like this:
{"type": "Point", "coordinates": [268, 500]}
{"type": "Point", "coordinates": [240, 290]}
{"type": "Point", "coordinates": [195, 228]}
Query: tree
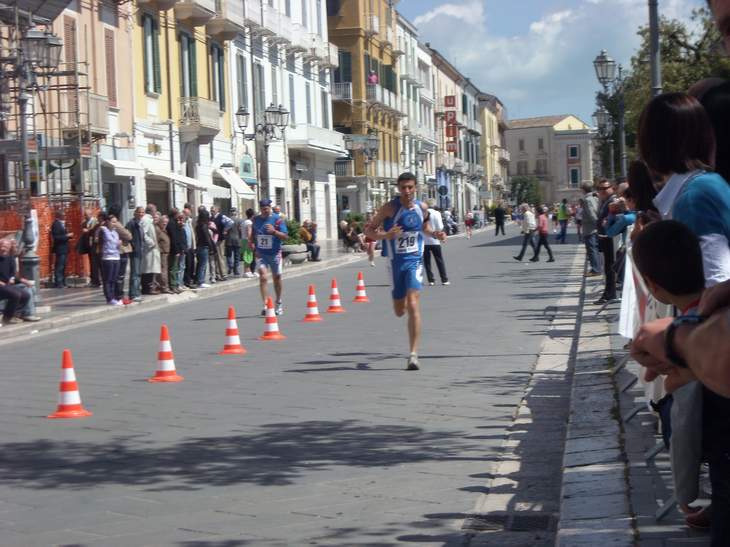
{"type": "Point", "coordinates": [688, 54]}
{"type": "Point", "coordinates": [525, 189]}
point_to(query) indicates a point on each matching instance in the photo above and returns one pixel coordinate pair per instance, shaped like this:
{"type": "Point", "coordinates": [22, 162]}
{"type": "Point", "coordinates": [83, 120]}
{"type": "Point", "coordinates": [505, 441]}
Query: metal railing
{"type": "Point", "coordinates": [344, 168]}
{"type": "Point", "coordinates": [504, 155]}
{"type": "Point", "coordinates": [75, 114]}
{"type": "Point", "coordinates": [200, 112]}
{"type": "Point", "coordinates": [388, 36]}
{"type": "Point", "coordinates": [342, 91]}
{"type": "Point", "coordinates": [307, 133]}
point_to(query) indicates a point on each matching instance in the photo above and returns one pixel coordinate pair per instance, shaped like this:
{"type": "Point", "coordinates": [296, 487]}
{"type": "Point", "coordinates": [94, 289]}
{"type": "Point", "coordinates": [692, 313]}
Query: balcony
{"type": "Point", "coordinates": [320, 51]}
{"type": "Point", "coordinates": [228, 20]}
{"type": "Point", "coordinates": [344, 168]}
{"type": "Point", "coordinates": [199, 120]}
{"type": "Point", "coordinates": [426, 93]}
{"type": "Point", "coordinates": [195, 12]}
{"type": "Point", "coordinates": [78, 115]}
{"type": "Point", "coordinates": [270, 26]}
{"type": "Point", "coordinates": [341, 91]}
{"type": "Point", "coordinates": [252, 17]}
{"type": "Point", "coordinates": [160, 5]}
{"type": "Point", "coordinates": [387, 36]}
{"type": "Point", "coordinates": [372, 25]}
{"type": "Point", "coordinates": [332, 59]}
{"type": "Point", "coordinates": [422, 131]}
{"type": "Point", "coordinates": [310, 137]}
{"type": "Point", "coordinates": [286, 30]}
{"type": "Point", "coordinates": [503, 155]}
{"type": "Point", "coordinates": [379, 96]}
{"type": "Point", "coordinates": [398, 47]}
{"type": "Point", "coordinates": [300, 40]}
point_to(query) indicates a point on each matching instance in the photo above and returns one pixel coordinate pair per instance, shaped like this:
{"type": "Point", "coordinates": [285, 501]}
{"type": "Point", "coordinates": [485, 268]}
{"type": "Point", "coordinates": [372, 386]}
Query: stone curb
{"type": "Point", "coordinates": [99, 313]}
{"type": "Point", "coordinates": [595, 507]}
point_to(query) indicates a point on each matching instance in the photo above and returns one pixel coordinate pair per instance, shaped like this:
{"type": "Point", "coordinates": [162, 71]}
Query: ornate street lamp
{"type": "Point", "coordinates": [276, 120]}
{"type": "Point", "coordinates": [242, 117]}
{"type": "Point", "coordinates": [609, 75]}
{"type": "Point", "coordinates": [605, 68]}
{"type": "Point", "coordinates": [283, 117]}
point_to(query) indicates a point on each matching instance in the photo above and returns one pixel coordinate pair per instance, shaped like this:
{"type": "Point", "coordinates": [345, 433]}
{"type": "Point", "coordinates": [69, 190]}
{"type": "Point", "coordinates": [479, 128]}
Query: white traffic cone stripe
{"type": "Point", "coordinates": [69, 398]}
{"type": "Point", "coordinates": [233, 341]}
{"type": "Point", "coordinates": [68, 375]}
{"type": "Point", "coordinates": [166, 364]}
{"type": "Point", "coordinates": [165, 345]}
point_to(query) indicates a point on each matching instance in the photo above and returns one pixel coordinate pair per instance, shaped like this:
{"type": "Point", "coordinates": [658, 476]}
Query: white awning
{"type": "Point", "coordinates": [176, 177]}
{"type": "Point", "coordinates": [123, 168]}
{"type": "Point", "coordinates": [469, 186]}
{"type": "Point", "coordinates": [236, 183]}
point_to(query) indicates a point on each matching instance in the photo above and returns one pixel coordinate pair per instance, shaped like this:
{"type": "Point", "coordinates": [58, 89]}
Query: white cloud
{"type": "Point", "coordinates": [546, 68]}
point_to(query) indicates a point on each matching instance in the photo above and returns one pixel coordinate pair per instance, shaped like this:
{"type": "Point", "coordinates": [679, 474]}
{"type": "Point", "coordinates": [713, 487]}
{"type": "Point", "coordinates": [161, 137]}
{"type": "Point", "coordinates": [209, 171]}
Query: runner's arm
{"type": "Point", "coordinates": [373, 231]}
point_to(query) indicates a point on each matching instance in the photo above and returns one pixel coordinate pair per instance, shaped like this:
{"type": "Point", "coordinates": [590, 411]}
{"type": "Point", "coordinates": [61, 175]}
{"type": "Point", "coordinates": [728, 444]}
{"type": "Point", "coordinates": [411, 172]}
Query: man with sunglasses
{"type": "Point", "coordinates": [606, 196]}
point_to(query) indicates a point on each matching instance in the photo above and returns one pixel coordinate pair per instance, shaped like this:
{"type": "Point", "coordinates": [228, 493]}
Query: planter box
{"type": "Point", "coordinates": [296, 254]}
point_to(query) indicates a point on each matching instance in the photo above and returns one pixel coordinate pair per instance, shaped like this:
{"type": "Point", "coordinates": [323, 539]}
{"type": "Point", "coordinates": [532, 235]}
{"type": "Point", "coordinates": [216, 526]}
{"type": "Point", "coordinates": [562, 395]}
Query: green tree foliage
{"type": "Point", "coordinates": [525, 189]}
{"type": "Point", "coordinates": [689, 53]}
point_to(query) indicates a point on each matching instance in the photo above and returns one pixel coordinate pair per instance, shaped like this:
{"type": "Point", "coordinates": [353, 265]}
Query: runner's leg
{"type": "Point", "coordinates": [414, 319]}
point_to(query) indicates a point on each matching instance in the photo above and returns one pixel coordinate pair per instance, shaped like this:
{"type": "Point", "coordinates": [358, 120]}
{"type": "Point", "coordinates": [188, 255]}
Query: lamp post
{"type": "Point", "coordinates": [37, 54]}
{"type": "Point", "coordinates": [610, 76]}
{"type": "Point", "coordinates": [602, 119]}
{"type": "Point", "coordinates": [272, 128]}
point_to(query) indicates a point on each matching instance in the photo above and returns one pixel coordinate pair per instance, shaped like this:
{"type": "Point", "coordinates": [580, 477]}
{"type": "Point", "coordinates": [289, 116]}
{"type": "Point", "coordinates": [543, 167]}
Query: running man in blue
{"type": "Point", "coordinates": [404, 220]}
{"type": "Point", "coordinates": [268, 231]}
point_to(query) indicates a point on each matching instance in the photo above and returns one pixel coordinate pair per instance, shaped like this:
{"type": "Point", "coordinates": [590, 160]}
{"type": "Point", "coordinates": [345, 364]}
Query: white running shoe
{"type": "Point", "coordinates": [413, 362]}
{"type": "Point", "coordinates": [446, 283]}
{"type": "Point", "coordinates": [372, 264]}
{"type": "Point", "coordinates": [204, 286]}
{"type": "Point", "coordinates": [279, 308]}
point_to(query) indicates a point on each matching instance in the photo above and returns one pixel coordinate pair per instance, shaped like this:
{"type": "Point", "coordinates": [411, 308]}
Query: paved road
{"type": "Point", "coordinates": [323, 439]}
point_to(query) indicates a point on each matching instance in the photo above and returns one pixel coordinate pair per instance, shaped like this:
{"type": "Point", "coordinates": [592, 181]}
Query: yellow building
{"type": "Point", "coordinates": [366, 102]}
{"type": "Point", "coordinates": [182, 107]}
{"type": "Point", "coordinates": [495, 157]}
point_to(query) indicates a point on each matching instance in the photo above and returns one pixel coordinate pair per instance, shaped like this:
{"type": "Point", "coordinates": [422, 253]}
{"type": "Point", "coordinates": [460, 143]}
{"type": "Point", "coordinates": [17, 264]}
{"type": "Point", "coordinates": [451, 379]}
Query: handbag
{"type": "Point", "coordinates": [247, 255]}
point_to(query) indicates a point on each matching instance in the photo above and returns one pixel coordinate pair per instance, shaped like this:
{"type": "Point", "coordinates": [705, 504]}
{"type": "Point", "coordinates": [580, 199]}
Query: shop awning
{"type": "Point", "coordinates": [236, 183]}
{"type": "Point", "coordinates": [123, 168]}
{"type": "Point", "coordinates": [176, 177]}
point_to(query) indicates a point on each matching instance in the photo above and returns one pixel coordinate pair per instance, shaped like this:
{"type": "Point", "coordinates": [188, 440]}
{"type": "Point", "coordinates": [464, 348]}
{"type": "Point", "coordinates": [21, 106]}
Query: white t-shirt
{"type": "Point", "coordinates": [247, 225]}
{"type": "Point", "coordinates": [437, 225]}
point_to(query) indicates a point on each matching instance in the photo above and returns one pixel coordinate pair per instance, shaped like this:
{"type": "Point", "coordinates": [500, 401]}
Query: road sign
{"type": "Point", "coordinates": [451, 146]}
{"type": "Point", "coordinates": [451, 131]}
{"type": "Point", "coordinates": [443, 190]}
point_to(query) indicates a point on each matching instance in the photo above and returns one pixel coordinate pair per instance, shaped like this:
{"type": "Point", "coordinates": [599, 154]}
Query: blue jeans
{"type": "Point", "coordinates": [135, 276]}
{"type": "Point", "coordinates": [594, 260]}
{"type": "Point", "coordinates": [233, 258]}
{"type": "Point", "coordinates": [563, 231]}
{"type": "Point", "coordinates": [59, 270]}
{"type": "Point", "coordinates": [202, 254]}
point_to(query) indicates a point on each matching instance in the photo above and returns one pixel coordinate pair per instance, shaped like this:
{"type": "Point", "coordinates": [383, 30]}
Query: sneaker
{"type": "Point", "coordinates": [551, 260]}
{"type": "Point", "coordinates": [30, 318]}
{"type": "Point", "coordinates": [372, 264]}
{"type": "Point", "coordinates": [137, 299]}
{"type": "Point", "coordinates": [446, 283]}
{"type": "Point", "coordinates": [204, 286]}
{"type": "Point", "coordinates": [592, 274]}
{"type": "Point", "coordinates": [11, 321]}
{"type": "Point", "coordinates": [248, 274]}
{"type": "Point", "coordinates": [517, 258]}
{"type": "Point", "coordinates": [701, 519]}
{"type": "Point", "coordinates": [263, 312]}
{"type": "Point", "coordinates": [431, 283]}
{"type": "Point", "coordinates": [534, 259]}
{"type": "Point", "coordinates": [279, 308]}
{"type": "Point", "coordinates": [413, 362]}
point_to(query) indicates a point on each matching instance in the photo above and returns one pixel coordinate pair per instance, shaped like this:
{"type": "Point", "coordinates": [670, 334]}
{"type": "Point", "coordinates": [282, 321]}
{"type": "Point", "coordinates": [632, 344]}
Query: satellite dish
{"type": "Point", "coordinates": [66, 163]}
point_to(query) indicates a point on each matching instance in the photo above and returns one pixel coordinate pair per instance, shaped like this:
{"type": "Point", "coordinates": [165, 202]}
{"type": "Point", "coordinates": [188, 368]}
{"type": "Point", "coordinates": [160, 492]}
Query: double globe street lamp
{"type": "Point", "coordinates": [602, 120]}
{"type": "Point", "coordinates": [271, 128]}
{"type": "Point", "coordinates": [610, 76]}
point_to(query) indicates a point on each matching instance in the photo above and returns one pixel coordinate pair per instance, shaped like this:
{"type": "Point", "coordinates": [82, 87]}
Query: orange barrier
{"type": "Point", "coordinates": [312, 315]}
{"type": "Point", "coordinates": [335, 304]}
{"type": "Point", "coordinates": [271, 324]}
{"type": "Point", "coordinates": [361, 297]}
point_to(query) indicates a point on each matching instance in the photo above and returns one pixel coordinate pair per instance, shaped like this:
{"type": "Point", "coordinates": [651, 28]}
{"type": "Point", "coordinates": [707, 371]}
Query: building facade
{"type": "Point", "coordinates": [366, 102]}
{"type": "Point", "coordinates": [557, 150]}
{"type": "Point", "coordinates": [494, 153]}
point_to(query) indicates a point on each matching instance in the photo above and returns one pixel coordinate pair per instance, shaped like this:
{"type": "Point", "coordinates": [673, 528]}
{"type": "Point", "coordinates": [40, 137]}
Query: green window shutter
{"type": "Point", "coordinates": [193, 67]}
{"type": "Point", "coordinates": [222, 76]}
{"type": "Point", "coordinates": [157, 83]}
{"type": "Point", "coordinates": [144, 50]}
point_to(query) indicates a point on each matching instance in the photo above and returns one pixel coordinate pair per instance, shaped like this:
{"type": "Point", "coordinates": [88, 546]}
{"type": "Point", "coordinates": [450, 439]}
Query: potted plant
{"type": "Point", "coordinates": [293, 248]}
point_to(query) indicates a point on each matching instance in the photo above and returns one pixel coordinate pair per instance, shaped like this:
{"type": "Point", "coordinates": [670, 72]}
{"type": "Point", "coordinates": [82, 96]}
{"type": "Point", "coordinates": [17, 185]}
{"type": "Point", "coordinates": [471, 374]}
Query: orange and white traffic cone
{"type": "Point", "coordinates": [233, 341]}
{"type": "Point", "coordinates": [335, 304]}
{"type": "Point", "coordinates": [361, 297]}
{"type": "Point", "coordinates": [271, 324]}
{"type": "Point", "coordinates": [69, 398]}
{"type": "Point", "coordinates": [165, 360]}
{"type": "Point", "coordinates": [312, 309]}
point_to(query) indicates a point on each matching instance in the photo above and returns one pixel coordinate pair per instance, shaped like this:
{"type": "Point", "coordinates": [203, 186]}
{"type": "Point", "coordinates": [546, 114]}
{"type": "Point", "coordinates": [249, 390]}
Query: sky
{"type": "Point", "coordinates": [536, 55]}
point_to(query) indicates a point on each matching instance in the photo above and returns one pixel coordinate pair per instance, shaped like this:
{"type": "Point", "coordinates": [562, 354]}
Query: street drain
{"type": "Point", "coordinates": [513, 522]}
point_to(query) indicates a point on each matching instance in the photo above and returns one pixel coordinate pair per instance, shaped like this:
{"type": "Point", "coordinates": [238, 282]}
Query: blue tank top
{"type": "Point", "coordinates": [408, 245]}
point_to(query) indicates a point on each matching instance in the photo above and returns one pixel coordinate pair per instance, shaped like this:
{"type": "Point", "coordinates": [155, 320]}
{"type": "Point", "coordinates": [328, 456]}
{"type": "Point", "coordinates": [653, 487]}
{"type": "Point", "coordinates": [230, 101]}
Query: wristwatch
{"type": "Point", "coordinates": [669, 349]}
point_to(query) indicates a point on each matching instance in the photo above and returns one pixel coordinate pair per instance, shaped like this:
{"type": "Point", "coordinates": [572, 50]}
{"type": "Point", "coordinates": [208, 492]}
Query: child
{"type": "Point", "coordinates": [668, 256]}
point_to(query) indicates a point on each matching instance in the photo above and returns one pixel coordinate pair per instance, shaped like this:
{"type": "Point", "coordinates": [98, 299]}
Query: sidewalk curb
{"type": "Point", "coordinates": [100, 313]}
{"type": "Point", "coordinates": [595, 504]}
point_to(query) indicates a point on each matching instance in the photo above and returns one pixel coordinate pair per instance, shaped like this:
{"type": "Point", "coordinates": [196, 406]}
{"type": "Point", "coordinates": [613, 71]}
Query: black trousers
{"type": "Point", "coordinates": [543, 242]}
{"type": "Point", "coordinates": [500, 226]}
{"type": "Point", "coordinates": [59, 270]}
{"type": "Point", "coordinates": [189, 276]}
{"type": "Point", "coordinates": [609, 270]}
{"type": "Point", "coordinates": [119, 289]}
{"type": "Point", "coordinates": [528, 238]}
{"type": "Point", "coordinates": [434, 250]}
{"type": "Point", "coordinates": [16, 299]}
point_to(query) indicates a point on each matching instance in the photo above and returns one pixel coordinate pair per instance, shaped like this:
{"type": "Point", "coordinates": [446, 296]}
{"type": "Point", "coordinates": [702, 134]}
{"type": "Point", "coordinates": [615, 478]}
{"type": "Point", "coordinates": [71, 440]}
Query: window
{"type": "Point", "coordinates": [319, 18]}
{"type": "Point", "coordinates": [274, 86]}
{"type": "Point", "coordinates": [287, 8]}
{"type": "Point", "coordinates": [241, 81]}
{"type": "Point", "coordinates": [521, 144]}
{"type": "Point", "coordinates": [291, 63]}
{"type": "Point", "coordinates": [188, 69]}
{"type": "Point", "coordinates": [325, 110]}
{"type": "Point", "coordinates": [308, 89]}
{"type": "Point", "coordinates": [152, 80]}
{"type": "Point", "coordinates": [259, 93]}
{"type": "Point", "coordinates": [522, 167]}
{"type": "Point", "coordinates": [305, 17]}
{"type": "Point", "coordinates": [574, 176]}
{"type": "Point", "coordinates": [273, 54]}
{"type": "Point", "coordinates": [541, 167]}
{"type": "Point", "coordinates": [307, 71]}
{"type": "Point", "coordinates": [343, 73]}
{"type": "Point", "coordinates": [541, 144]}
{"type": "Point", "coordinates": [323, 77]}
{"type": "Point", "coordinates": [573, 152]}
{"type": "Point", "coordinates": [464, 104]}
{"type": "Point", "coordinates": [292, 102]}
{"type": "Point", "coordinates": [217, 76]}
{"type": "Point", "coordinates": [111, 70]}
